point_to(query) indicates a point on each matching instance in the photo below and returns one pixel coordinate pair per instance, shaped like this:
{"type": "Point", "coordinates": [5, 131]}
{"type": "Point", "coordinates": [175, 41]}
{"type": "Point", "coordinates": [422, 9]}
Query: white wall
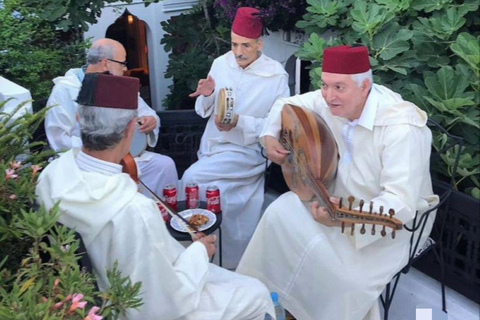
{"type": "Point", "coordinates": [275, 45]}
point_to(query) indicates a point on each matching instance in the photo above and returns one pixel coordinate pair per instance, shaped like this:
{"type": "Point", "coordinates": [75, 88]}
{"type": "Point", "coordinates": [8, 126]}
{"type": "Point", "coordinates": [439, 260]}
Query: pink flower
{"type": "Point", "coordinates": [35, 169]}
{"type": "Point", "coordinates": [15, 165]}
{"type": "Point", "coordinates": [92, 315]}
{"type": "Point", "coordinates": [58, 305]}
{"type": "Point", "coordinates": [10, 174]}
{"type": "Point", "coordinates": [76, 303]}
{"type": "Point", "coordinates": [13, 197]}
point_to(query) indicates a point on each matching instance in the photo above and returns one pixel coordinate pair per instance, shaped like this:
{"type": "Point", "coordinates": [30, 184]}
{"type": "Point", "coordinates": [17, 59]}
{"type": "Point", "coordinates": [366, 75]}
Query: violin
{"type": "Point", "coordinates": [130, 167]}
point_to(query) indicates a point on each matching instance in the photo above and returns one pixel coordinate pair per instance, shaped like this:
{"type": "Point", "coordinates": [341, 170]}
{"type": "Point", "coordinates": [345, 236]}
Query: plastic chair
{"type": "Point", "coordinates": [452, 145]}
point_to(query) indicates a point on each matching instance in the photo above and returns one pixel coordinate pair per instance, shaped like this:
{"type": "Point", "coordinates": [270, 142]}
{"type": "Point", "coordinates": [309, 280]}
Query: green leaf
{"type": "Point", "coordinates": [324, 8]}
{"type": "Point", "coordinates": [391, 41]}
{"type": "Point", "coordinates": [452, 19]}
{"type": "Point", "coordinates": [312, 49]}
{"type": "Point", "coordinates": [467, 47]}
{"type": "Point", "coordinates": [55, 11]}
{"type": "Point", "coordinates": [395, 5]}
{"type": "Point", "coordinates": [430, 50]}
{"type": "Point", "coordinates": [441, 84]}
{"type": "Point", "coordinates": [367, 19]}
{"type": "Point", "coordinates": [429, 5]}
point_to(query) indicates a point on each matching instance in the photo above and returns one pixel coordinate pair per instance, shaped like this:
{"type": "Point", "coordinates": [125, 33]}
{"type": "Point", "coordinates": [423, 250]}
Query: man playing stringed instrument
{"type": "Point", "coordinates": [117, 223]}
{"type": "Point", "coordinates": [62, 129]}
{"type": "Point", "coordinates": [299, 248]}
{"type": "Point", "coordinates": [230, 153]}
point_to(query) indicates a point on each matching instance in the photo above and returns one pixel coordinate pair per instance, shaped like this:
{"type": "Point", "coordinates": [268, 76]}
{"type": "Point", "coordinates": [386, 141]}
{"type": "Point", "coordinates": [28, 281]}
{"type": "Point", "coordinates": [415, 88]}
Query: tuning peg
{"type": "Point", "coordinates": [350, 202]}
{"type": "Point", "coordinates": [371, 207]}
{"type": "Point", "coordinates": [353, 229]}
{"type": "Point", "coordinates": [383, 232]}
{"type": "Point", "coordinates": [381, 211]}
{"type": "Point", "coordinates": [343, 227]}
{"type": "Point", "coordinates": [393, 234]}
{"type": "Point", "coordinates": [373, 229]}
{"type": "Point", "coordinates": [391, 212]}
{"type": "Point", "coordinates": [361, 205]}
{"type": "Point", "coordinates": [340, 204]}
{"type": "Point", "coordinates": [362, 230]}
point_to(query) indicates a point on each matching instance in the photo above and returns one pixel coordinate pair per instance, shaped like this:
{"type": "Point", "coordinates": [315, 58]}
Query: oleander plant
{"type": "Point", "coordinates": [426, 50]}
{"type": "Point", "coordinates": [42, 279]}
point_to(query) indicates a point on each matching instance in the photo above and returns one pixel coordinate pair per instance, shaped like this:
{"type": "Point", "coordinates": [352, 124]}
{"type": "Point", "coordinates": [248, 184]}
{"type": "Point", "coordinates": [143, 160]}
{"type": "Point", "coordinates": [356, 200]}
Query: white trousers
{"type": "Point", "coordinates": [156, 171]}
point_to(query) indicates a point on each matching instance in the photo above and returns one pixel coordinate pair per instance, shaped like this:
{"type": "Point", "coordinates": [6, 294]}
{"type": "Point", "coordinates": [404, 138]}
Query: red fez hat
{"type": "Point", "coordinates": [109, 91]}
{"type": "Point", "coordinates": [247, 23]}
{"type": "Point", "coordinates": [346, 60]}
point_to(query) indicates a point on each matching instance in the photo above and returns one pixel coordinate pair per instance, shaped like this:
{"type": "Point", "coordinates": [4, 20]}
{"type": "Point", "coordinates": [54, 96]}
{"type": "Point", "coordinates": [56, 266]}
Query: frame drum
{"type": "Point", "coordinates": [139, 143]}
{"type": "Point", "coordinates": [226, 105]}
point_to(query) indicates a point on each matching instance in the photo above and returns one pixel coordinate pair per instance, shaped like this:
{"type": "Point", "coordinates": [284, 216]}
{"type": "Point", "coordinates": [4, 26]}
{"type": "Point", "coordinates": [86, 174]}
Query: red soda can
{"type": "Point", "coordinates": [163, 211]}
{"type": "Point", "coordinates": [170, 196]}
{"type": "Point", "coordinates": [192, 195]}
{"type": "Point", "coordinates": [213, 199]}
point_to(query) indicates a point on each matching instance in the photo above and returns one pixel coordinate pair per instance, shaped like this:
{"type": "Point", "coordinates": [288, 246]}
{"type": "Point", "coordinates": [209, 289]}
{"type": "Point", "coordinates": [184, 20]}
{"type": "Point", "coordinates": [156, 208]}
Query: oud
{"type": "Point", "coordinates": [312, 165]}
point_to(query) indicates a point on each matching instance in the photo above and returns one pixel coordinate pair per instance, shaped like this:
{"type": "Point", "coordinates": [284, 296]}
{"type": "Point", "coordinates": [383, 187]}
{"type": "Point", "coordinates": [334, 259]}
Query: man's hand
{"type": "Point", "coordinates": [226, 127]}
{"type": "Point", "coordinates": [275, 151]}
{"type": "Point", "coordinates": [321, 215]}
{"type": "Point", "coordinates": [147, 124]}
{"type": "Point", "coordinates": [205, 87]}
{"type": "Point", "coordinates": [209, 243]}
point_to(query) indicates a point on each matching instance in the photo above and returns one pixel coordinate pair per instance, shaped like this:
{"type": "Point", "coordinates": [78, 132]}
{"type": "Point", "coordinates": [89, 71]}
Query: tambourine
{"type": "Point", "coordinates": [226, 106]}
{"type": "Point", "coordinates": [139, 142]}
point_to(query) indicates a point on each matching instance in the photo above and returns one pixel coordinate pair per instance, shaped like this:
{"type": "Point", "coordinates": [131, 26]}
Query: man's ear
{"type": "Point", "coordinates": [131, 127]}
{"type": "Point", "coordinates": [104, 64]}
{"type": "Point", "coordinates": [366, 85]}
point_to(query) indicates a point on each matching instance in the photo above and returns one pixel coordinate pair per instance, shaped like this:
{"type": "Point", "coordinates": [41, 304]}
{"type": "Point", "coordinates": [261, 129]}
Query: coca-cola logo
{"type": "Point", "coordinates": [171, 199]}
{"type": "Point", "coordinates": [213, 200]}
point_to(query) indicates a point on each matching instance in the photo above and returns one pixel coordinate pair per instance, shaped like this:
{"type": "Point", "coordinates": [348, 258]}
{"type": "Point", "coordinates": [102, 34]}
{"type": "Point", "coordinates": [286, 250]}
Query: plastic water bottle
{"type": "Point", "coordinates": [279, 310]}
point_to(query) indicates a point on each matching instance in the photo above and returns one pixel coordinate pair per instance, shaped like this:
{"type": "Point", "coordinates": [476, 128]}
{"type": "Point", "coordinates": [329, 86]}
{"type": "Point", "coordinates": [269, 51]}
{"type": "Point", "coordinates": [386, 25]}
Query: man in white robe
{"type": "Point", "coordinates": [117, 223]}
{"type": "Point", "coordinates": [230, 154]}
{"type": "Point", "coordinates": [63, 131]}
{"type": "Point", "coordinates": [384, 148]}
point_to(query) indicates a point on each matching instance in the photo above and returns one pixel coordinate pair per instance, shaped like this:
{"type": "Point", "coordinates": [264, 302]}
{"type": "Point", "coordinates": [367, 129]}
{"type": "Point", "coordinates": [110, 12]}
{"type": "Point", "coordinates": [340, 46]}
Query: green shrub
{"type": "Point", "coordinates": [426, 50]}
{"type": "Point", "coordinates": [31, 286]}
{"type": "Point", "coordinates": [32, 51]}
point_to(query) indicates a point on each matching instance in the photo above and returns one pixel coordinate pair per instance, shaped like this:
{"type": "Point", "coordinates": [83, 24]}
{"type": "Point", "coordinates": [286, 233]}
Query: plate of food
{"type": "Point", "coordinates": [201, 218]}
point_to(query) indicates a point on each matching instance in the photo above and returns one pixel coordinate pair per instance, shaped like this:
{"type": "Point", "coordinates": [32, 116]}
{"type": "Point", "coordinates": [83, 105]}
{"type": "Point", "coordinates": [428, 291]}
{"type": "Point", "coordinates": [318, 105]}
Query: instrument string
{"type": "Point", "coordinates": [311, 182]}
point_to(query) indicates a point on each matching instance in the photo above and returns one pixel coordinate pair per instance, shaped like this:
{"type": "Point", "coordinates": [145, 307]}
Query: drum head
{"type": "Point", "coordinates": [139, 143]}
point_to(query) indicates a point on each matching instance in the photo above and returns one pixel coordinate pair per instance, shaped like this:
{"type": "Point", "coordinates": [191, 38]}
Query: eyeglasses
{"type": "Point", "coordinates": [124, 63]}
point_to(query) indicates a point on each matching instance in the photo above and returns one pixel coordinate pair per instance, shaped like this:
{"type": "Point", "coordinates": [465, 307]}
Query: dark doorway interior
{"type": "Point", "coordinates": [132, 33]}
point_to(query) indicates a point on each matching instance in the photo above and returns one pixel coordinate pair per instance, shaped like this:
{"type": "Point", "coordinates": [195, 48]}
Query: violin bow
{"type": "Point", "coordinates": [190, 227]}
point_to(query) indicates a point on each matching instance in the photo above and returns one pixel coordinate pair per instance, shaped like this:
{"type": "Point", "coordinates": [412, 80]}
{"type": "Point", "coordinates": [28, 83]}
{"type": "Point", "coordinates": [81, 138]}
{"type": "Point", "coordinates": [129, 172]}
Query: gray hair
{"type": "Point", "coordinates": [360, 78]}
{"type": "Point", "coordinates": [99, 51]}
{"type": "Point", "coordinates": [103, 128]}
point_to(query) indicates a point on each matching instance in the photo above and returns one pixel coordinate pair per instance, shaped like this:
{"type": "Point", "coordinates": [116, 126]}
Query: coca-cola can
{"type": "Point", "coordinates": [213, 199]}
{"type": "Point", "coordinates": [192, 195]}
{"type": "Point", "coordinates": [170, 196]}
{"type": "Point", "coordinates": [163, 211]}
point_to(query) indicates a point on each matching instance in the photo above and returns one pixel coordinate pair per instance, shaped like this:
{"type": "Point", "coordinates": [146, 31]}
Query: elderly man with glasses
{"type": "Point", "coordinates": [63, 131]}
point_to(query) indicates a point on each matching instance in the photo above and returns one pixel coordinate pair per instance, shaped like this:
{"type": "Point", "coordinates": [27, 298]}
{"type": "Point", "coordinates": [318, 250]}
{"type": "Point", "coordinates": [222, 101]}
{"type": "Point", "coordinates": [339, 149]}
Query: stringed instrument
{"type": "Point", "coordinates": [130, 167]}
{"type": "Point", "coordinates": [311, 167]}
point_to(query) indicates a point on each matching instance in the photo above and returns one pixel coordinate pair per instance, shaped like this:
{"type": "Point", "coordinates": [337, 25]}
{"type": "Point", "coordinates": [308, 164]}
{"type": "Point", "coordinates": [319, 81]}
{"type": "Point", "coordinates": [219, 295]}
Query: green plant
{"type": "Point", "coordinates": [67, 15]}
{"type": "Point", "coordinates": [193, 43]}
{"type": "Point", "coordinates": [31, 286]}
{"type": "Point", "coordinates": [428, 51]}
{"type": "Point", "coordinates": [32, 51]}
